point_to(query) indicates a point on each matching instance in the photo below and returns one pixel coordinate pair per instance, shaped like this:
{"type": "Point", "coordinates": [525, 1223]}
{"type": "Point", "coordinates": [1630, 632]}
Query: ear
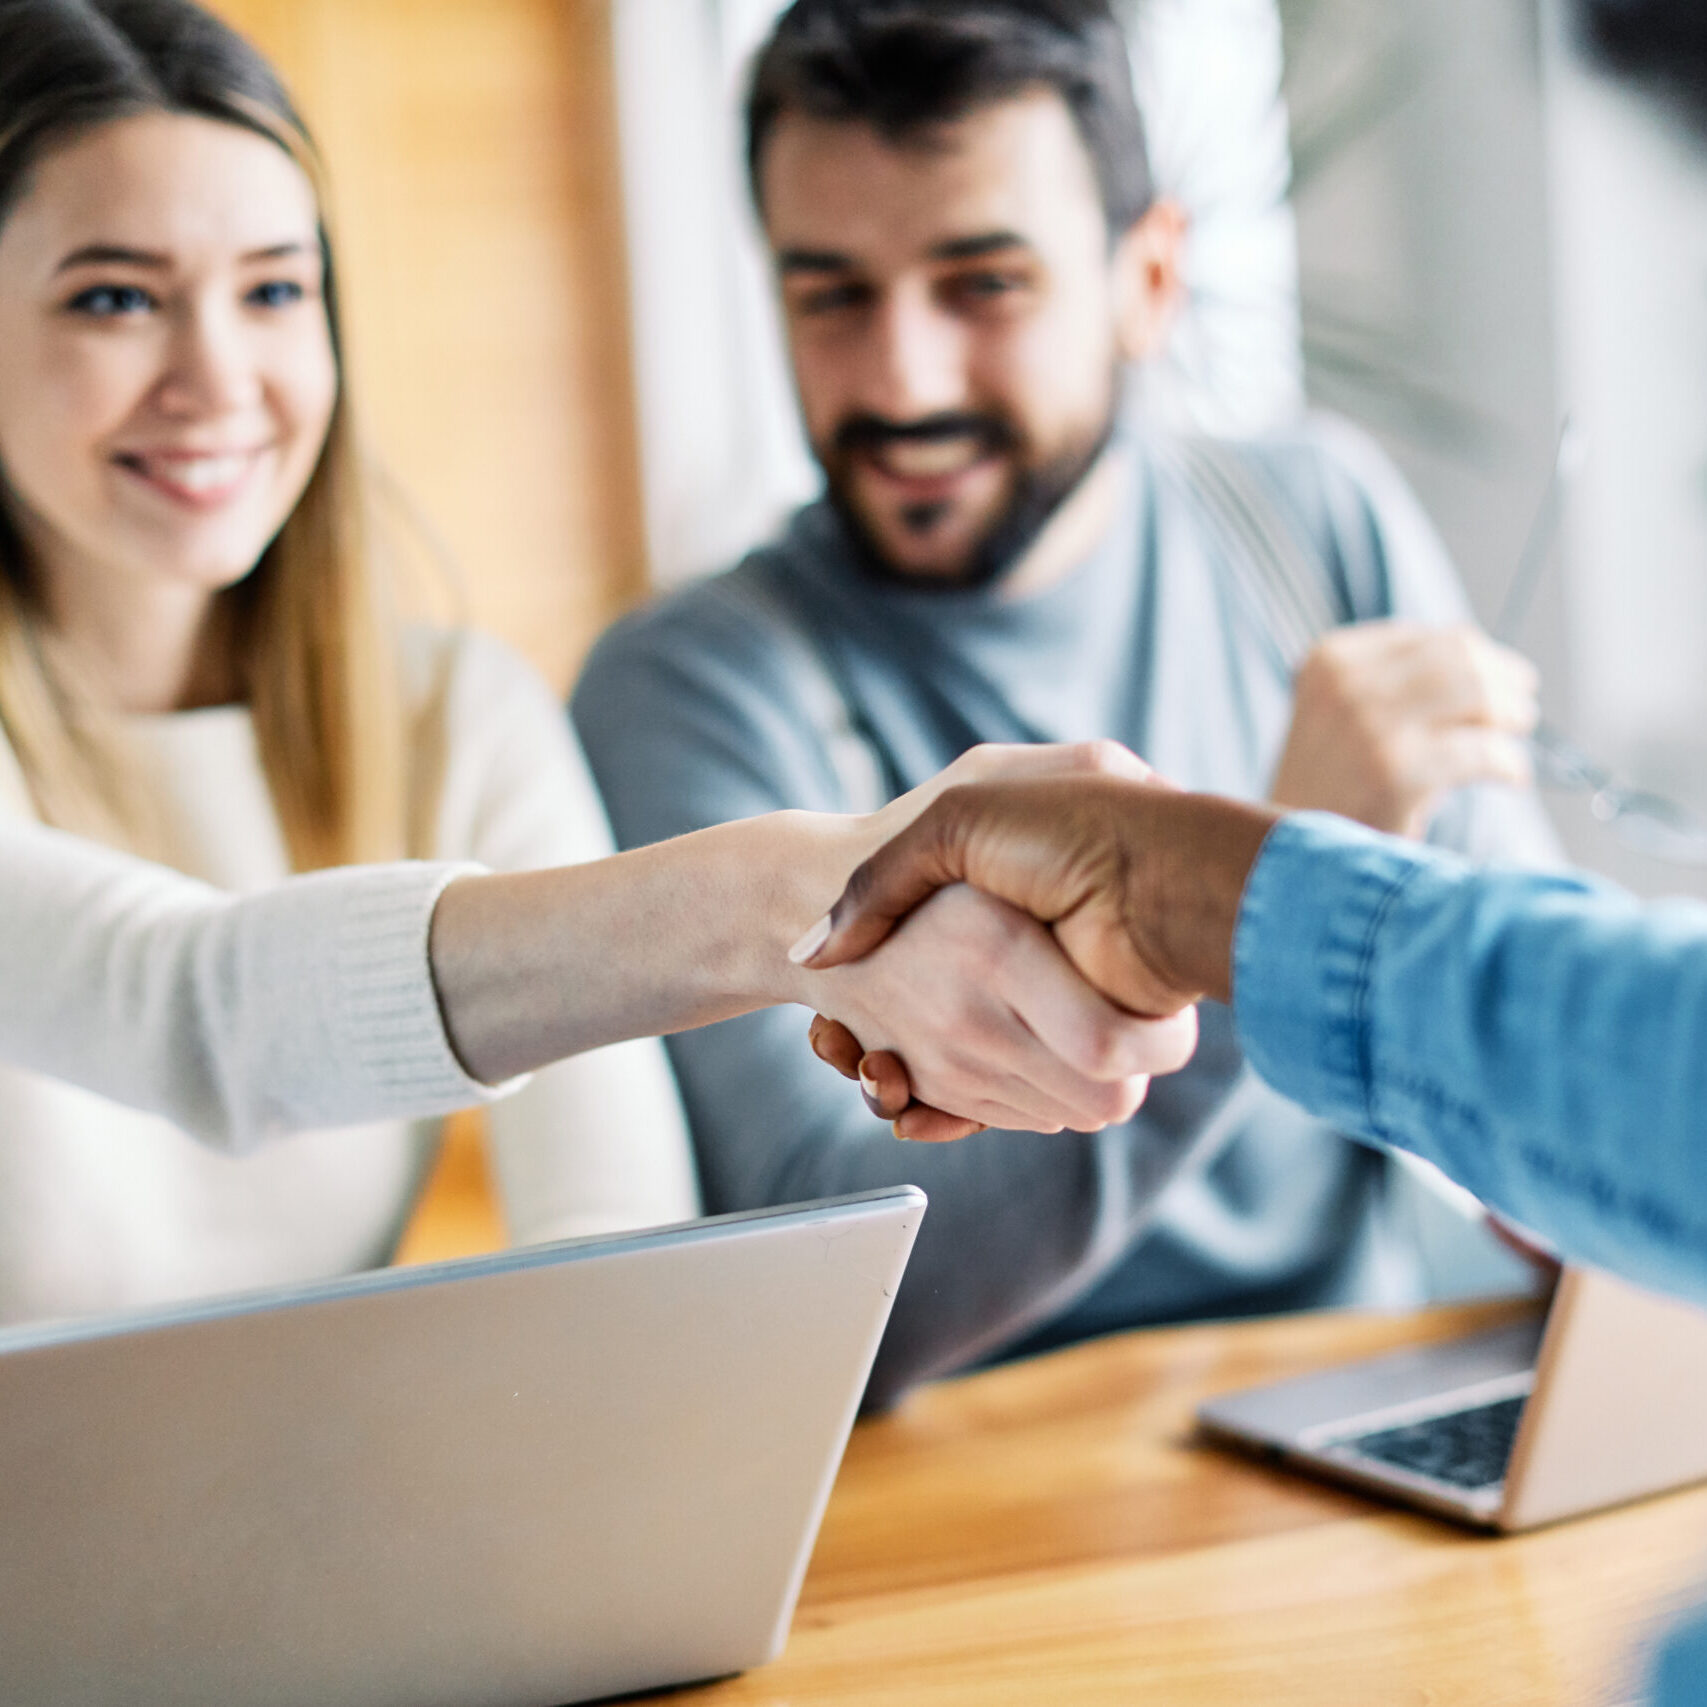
{"type": "Point", "coordinates": [1147, 283]}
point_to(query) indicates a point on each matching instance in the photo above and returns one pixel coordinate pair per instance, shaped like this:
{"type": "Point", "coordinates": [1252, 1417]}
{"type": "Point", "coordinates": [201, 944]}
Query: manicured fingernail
{"type": "Point", "coordinates": [809, 944]}
{"type": "Point", "coordinates": [866, 1082]}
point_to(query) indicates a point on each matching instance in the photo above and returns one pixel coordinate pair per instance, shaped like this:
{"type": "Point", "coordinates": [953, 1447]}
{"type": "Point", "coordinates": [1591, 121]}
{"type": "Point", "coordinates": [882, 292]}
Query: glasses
{"type": "Point", "coordinates": [1641, 819]}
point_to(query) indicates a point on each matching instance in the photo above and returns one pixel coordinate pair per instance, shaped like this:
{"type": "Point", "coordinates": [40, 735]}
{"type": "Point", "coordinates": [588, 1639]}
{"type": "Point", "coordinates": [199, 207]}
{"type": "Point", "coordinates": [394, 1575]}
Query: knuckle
{"type": "Point", "coordinates": [1327, 681]}
{"type": "Point", "coordinates": [1104, 757]}
{"type": "Point", "coordinates": [986, 761]}
{"type": "Point", "coordinates": [1108, 1103]}
{"type": "Point", "coordinates": [1106, 1049]}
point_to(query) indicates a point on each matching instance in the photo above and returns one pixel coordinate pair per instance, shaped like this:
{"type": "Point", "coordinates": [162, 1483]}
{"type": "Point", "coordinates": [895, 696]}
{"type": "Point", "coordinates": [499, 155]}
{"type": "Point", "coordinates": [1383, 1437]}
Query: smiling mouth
{"type": "Point", "coordinates": [929, 458]}
{"type": "Point", "coordinates": [200, 479]}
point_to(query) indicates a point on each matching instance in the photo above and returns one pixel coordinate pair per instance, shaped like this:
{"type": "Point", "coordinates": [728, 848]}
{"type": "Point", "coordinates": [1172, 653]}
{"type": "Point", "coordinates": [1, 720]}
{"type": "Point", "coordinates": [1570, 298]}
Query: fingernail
{"type": "Point", "coordinates": [871, 1101]}
{"type": "Point", "coordinates": [866, 1082]}
{"type": "Point", "coordinates": [809, 944]}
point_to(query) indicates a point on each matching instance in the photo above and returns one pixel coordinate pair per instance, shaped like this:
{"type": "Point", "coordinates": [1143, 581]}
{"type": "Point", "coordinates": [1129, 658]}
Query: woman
{"type": "Point", "coordinates": [194, 665]}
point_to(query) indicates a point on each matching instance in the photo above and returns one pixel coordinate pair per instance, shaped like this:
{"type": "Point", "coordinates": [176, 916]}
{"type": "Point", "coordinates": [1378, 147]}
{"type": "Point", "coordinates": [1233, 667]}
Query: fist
{"type": "Point", "coordinates": [1388, 717]}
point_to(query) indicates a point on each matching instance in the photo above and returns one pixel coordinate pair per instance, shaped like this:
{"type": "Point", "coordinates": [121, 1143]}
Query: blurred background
{"type": "Point", "coordinates": [1450, 222]}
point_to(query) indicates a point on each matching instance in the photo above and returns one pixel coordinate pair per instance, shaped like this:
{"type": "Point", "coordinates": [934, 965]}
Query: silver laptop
{"type": "Point", "coordinates": [1604, 1400]}
{"type": "Point", "coordinates": [516, 1481]}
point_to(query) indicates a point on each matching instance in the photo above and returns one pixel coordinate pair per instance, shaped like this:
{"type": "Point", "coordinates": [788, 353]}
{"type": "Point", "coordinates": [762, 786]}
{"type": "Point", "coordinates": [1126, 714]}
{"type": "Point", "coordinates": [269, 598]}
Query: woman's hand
{"type": "Point", "coordinates": [995, 1023]}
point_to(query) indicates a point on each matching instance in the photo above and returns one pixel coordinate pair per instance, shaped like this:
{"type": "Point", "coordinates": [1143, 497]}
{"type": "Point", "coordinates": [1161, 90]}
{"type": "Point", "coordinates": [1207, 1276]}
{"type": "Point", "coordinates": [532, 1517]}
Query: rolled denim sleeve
{"type": "Point", "coordinates": [1541, 1039]}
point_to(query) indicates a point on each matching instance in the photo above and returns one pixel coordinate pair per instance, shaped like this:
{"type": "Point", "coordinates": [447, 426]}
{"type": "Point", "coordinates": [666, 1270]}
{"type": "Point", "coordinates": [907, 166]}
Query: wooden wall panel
{"type": "Point", "coordinates": [476, 201]}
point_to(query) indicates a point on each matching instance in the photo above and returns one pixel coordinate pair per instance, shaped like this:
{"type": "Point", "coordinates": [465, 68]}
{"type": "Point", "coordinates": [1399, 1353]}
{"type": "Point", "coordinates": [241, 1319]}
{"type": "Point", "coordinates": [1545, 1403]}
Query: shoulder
{"type": "Point", "coordinates": [724, 662]}
{"type": "Point", "coordinates": [505, 780]}
{"type": "Point", "coordinates": [1328, 486]}
{"type": "Point", "coordinates": [728, 630]}
{"type": "Point", "coordinates": [1316, 464]}
{"type": "Point", "coordinates": [470, 677]}
{"type": "Point", "coordinates": [708, 704]}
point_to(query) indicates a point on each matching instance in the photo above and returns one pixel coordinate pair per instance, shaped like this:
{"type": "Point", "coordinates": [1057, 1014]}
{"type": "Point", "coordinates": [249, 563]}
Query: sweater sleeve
{"type": "Point", "coordinates": [238, 1018]}
{"type": "Point", "coordinates": [598, 1143]}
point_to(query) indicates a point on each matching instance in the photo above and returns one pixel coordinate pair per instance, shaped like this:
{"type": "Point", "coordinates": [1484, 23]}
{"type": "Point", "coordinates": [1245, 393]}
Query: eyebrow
{"type": "Point", "coordinates": [117, 254]}
{"type": "Point", "coordinates": [984, 243]}
{"type": "Point", "coordinates": [814, 261]}
{"type": "Point", "coordinates": [952, 249]}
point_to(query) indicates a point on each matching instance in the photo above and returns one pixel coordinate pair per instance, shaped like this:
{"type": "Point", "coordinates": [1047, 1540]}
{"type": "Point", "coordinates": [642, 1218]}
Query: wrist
{"type": "Point", "coordinates": [797, 874]}
{"type": "Point", "coordinates": [1204, 848]}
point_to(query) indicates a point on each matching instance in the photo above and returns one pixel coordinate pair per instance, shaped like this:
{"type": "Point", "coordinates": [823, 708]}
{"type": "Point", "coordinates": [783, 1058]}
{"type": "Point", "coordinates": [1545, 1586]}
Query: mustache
{"type": "Point", "coordinates": [873, 433]}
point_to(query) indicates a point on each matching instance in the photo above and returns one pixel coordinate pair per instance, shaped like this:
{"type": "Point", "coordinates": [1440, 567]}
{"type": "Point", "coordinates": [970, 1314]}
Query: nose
{"type": "Point", "coordinates": [916, 363]}
{"type": "Point", "coordinates": [211, 367]}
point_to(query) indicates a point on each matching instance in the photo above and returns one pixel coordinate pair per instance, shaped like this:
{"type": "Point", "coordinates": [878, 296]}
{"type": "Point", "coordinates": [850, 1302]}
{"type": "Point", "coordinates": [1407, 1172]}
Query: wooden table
{"type": "Point", "coordinates": [1049, 1533]}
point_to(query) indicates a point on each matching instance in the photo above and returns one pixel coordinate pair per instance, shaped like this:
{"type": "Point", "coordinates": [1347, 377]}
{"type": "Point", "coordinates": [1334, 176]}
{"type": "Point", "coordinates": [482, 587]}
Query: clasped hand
{"type": "Point", "coordinates": [1138, 883]}
{"type": "Point", "coordinates": [987, 989]}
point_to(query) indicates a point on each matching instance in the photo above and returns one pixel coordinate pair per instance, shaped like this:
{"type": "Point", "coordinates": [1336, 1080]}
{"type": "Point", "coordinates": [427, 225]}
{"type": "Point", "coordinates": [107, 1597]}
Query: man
{"type": "Point", "coordinates": [970, 257]}
{"type": "Point", "coordinates": [1542, 1039]}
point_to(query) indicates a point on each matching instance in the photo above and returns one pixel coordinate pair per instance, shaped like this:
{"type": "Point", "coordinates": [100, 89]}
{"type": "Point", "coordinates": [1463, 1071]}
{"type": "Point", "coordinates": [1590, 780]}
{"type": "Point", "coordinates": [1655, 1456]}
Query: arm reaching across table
{"type": "Point", "coordinates": [1541, 1039]}
{"type": "Point", "coordinates": [376, 991]}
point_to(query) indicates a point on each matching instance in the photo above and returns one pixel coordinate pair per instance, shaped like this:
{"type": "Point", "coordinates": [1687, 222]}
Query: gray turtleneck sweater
{"type": "Point", "coordinates": [799, 679]}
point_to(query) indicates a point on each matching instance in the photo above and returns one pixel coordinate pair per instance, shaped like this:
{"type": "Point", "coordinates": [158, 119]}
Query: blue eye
{"type": "Point", "coordinates": [107, 302]}
{"type": "Point", "coordinates": [276, 293]}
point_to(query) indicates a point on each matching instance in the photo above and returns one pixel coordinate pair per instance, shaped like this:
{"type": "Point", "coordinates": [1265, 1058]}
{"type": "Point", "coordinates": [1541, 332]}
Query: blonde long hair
{"type": "Point", "coordinates": [315, 643]}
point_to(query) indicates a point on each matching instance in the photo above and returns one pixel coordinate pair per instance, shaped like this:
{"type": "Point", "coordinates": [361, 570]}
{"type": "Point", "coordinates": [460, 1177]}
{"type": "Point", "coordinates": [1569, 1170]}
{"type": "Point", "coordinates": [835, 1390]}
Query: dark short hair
{"type": "Point", "coordinates": [1662, 41]}
{"type": "Point", "coordinates": [905, 66]}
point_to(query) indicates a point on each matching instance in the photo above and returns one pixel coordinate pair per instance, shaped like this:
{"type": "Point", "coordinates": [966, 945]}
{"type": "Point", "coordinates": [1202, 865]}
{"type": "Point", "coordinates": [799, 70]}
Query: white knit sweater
{"type": "Point", "coordinates": [193, 1007]}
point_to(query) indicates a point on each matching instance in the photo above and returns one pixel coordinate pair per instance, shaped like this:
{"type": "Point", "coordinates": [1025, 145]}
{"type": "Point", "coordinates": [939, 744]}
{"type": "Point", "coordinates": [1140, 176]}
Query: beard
{"type": "Point", "coordinates": [1037, 491]}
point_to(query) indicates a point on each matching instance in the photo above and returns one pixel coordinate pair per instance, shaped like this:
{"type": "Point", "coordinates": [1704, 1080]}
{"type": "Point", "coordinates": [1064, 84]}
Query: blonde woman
{"type": "Point", "coordinates": [195, 666]}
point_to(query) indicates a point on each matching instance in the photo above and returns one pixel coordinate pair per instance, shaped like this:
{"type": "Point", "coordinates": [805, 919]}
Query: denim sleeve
{"type": "Point", "coordinates": [1541, 1039]}
{"type": "Point", "coordinates": [1679, 1674]}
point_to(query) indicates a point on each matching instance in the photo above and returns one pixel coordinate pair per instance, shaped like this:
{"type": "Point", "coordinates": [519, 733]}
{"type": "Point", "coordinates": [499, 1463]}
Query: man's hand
{"type": "Point", "coordinates": [1390, 716]}
{"type": "Point", "coordinates": [1140, 883]}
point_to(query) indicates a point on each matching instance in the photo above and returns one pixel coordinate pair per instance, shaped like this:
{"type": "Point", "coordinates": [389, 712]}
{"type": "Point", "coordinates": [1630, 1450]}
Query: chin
{"type": "Point", "coordinates": [946, 552]}
{"type": "Point", "coordinates": [194, 570]}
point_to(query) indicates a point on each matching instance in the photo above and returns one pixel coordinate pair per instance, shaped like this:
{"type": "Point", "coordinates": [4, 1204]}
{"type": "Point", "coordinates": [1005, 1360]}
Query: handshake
{"type": "Point", "coordinates": [1139, 885]}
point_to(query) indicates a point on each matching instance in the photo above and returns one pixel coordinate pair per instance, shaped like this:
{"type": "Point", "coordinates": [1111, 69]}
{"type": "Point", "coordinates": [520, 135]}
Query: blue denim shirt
{"type": "Point", "coordinates": [1541, 1039]}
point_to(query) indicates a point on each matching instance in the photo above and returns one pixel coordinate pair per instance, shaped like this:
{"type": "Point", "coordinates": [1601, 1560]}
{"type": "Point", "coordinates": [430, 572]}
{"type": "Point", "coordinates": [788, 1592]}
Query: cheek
{"type": "Point", "coordinates": [1051, 373]}
{"type": "Point", "coordinates": [60, 400]}
{"type": "Point", "coordinates": [303, 391]}
{"type": "Point", "coordinates": [819, 383]}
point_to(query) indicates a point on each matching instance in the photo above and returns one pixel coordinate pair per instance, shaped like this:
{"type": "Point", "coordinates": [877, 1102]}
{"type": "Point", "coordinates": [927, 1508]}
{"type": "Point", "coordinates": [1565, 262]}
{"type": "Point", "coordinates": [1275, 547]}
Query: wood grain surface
{"type": "Point", "coordinates": [1050, 1532]}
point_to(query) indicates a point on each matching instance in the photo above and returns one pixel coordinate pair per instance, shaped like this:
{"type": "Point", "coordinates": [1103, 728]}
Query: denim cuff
{"type": "Point", "coordinates": [1302, 956]}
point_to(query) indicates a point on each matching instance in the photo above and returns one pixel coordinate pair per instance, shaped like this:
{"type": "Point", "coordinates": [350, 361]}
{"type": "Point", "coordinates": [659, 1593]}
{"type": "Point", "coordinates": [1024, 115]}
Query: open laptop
{"type": "Point", "coordinates": [1603, 1401]}
{"type": "Point", "coordinates": [515, 1481]}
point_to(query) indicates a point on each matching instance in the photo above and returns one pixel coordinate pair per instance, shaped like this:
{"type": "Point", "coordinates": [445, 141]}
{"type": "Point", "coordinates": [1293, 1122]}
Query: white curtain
{"type": "Point", "coordinates": [721, 448]}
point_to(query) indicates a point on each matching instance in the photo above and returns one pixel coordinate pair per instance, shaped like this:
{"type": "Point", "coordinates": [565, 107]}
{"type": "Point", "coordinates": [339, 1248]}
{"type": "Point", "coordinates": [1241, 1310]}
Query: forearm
{"type": "Point", "coordinates": [1540, 1039]}
{"type": "Point", "coordinates": [538, 965]}
{"type": "Point", "coordinates": [238, 1018]}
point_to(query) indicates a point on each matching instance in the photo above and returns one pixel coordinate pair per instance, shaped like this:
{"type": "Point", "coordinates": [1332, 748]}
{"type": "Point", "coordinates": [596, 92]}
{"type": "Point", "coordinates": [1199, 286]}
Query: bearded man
{"type": "Point", "coordinates": [971, 260]}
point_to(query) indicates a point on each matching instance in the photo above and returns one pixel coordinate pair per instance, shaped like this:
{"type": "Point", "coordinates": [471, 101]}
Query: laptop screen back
{"type": "Point", "coordinates": [534, 1478]}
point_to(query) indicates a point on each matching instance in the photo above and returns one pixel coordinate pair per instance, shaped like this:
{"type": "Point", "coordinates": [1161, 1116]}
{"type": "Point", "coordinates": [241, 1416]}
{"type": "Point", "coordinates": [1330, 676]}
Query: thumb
{"type": "Point", "coordinates": [926, 856]}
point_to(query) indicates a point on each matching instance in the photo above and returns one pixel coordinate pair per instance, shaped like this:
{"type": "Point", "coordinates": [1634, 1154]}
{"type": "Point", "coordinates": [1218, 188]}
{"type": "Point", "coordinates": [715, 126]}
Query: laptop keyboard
{"type": "Point", "coordinates": [1467, 1449]}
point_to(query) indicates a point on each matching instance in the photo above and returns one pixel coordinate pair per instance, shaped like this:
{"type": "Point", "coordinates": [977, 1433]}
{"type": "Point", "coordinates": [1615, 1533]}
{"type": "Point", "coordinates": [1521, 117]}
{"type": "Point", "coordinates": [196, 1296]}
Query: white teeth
{"type": "Point", "coordinates": [927, 459]}
{"type": "Point", "coordinates": [197, 474]}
